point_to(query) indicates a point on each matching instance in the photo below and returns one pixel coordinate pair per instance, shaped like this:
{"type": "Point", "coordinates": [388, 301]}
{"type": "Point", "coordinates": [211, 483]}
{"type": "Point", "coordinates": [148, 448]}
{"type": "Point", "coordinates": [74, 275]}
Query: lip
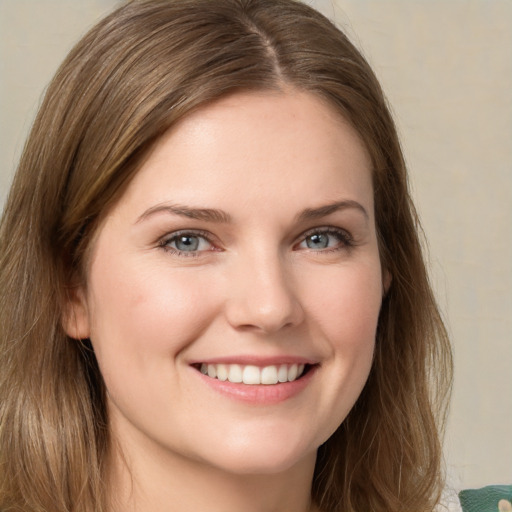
{"type": "Point", "coordinates": [259, 394]}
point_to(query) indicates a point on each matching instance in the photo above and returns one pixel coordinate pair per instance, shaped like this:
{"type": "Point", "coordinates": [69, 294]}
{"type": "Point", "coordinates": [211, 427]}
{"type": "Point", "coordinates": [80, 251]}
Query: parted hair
{"type": "Point", "coordinates": [131, 78]}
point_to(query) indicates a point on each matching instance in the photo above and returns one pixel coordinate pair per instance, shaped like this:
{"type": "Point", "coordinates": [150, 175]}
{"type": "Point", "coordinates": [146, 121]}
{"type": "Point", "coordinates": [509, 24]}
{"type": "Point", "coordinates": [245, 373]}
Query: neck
{"type": "Point", "coordinates": [157, 482]}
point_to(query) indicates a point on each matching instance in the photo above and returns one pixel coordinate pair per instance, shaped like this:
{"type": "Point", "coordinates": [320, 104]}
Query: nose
{"type": "Point", "coordinates": [262, 296]}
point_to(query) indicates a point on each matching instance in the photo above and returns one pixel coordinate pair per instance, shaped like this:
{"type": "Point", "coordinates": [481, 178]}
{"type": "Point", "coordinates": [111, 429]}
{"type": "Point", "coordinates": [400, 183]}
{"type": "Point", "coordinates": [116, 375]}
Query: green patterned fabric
{"type": "Point", "coordinates": [485, 499]}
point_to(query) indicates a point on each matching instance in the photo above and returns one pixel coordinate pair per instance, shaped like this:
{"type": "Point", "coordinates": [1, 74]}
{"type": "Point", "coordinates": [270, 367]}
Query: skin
{"type": "Point", "coordinates": [253, 288]}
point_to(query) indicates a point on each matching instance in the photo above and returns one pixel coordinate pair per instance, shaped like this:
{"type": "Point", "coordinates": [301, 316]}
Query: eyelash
{"type": "Point", "coordinates": [345, 241]}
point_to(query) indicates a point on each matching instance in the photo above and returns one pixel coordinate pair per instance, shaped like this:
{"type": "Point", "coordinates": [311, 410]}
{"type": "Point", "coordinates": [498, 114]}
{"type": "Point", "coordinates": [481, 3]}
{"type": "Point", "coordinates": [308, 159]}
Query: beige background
{"type": "Point", "coordinates": [446, 66]}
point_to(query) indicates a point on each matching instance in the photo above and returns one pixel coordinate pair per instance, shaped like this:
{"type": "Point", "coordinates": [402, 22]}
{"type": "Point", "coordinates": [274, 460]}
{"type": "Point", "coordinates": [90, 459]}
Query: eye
{"type": "Point", "coordinates": [322, 239]}
{"type": "Point", "coordinates": [186, 243]}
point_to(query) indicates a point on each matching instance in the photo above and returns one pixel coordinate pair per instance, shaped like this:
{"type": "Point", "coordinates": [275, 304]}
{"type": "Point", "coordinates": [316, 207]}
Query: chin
{"type": "Point", "coordinates": [264, 463]}
{"type": "Point", "coordinates": [264, 455]}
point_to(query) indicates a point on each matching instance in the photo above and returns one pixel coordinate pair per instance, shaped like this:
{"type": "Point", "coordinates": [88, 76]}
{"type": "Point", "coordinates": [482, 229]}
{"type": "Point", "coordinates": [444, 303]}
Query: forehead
{"type": "Point", "coordinates": [274, 142]}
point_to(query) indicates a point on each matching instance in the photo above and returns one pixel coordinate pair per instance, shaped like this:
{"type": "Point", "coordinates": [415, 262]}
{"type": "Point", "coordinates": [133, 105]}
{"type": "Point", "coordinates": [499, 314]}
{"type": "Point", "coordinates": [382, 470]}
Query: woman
{"type": "Point", "coordinates": [213, 293]}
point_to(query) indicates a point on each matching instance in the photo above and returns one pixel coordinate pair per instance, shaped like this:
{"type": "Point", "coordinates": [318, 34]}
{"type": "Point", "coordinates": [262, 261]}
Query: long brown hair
{"type": "Point", "coordinates": [127, 81]}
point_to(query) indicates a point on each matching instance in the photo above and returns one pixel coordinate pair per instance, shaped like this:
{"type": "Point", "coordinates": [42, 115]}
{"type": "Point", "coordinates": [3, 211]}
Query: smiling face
{"type": "Point", "coordinates": [233, 292]}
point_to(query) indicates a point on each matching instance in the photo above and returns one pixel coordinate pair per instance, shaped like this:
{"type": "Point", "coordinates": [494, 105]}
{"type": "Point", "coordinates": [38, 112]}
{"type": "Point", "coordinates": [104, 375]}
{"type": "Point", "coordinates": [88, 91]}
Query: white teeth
{"type": "Point", "coordinates": [253, 375]}
{"type": "Point", "coordinates": [222, 372]}
{"type": "Point", "coordinates": [269, 375]}
{"type": "Point", "coordinates": [292, 372]}
{"type": "Point", "coordinates": [234, 373]}
{"type": "Point", "coordinates": [212, 371]}
{"type": "Point", "coordinates": [282, 374]}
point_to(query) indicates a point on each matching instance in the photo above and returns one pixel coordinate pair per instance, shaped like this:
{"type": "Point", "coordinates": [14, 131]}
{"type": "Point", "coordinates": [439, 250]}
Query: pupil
{"type": "Point", "coordinates": [317, 241]}
{"type": "Point", "coordinates": [187, 243]}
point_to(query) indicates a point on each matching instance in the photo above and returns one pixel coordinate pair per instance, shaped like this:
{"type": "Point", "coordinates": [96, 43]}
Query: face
{"type": "Point", "coordinates": [233, 292]}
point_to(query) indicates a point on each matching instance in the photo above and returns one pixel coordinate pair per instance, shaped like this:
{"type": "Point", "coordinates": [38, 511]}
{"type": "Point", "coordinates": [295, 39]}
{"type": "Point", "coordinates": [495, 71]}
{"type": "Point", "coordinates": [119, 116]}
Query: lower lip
{"type": "Point", "coordinates": [259, 394]}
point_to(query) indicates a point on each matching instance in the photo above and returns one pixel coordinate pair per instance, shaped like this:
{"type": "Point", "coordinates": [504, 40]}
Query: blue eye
{"type": "Point", "coordinates": [318, 241]}
{"type": "Point", "coordinates": [186, 243]}
{"type": "Point", "coordinates": [327, 238]}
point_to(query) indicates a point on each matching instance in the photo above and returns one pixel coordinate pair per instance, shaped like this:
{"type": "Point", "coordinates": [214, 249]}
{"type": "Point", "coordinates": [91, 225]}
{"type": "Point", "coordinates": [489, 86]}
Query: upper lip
{"type": "Point", "coordinates": [255, 360]}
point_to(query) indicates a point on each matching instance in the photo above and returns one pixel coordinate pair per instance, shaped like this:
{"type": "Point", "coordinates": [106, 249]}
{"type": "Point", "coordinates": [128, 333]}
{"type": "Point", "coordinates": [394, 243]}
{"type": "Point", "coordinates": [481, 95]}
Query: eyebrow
{"type": "Point", "coordinates": [221, 217]}
{"type": "Point", "coordinates": [204, 214]}
{"type": "Point", "coordinates": [324, 211]}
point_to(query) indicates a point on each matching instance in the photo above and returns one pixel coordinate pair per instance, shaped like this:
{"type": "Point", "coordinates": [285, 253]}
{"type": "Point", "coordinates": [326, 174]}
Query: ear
{"type": "Point", "coordinates": [387, 278]}
{"type": "Point", "coordinates": [75, 314]}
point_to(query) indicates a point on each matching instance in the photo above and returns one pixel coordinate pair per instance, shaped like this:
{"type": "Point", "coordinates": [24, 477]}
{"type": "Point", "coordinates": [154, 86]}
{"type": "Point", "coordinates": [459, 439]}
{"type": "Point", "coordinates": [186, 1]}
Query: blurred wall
{"type": "Point", "coordinates": [446, 66]}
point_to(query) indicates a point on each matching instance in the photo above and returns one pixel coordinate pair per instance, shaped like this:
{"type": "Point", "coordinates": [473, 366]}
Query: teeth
{"type": "Point", "coordinates": [253, 375]}
{"type": "Point", "coordinates": [269, 375]}
{"type": "Point", "coordinates": [234, 373]}
{"type": "Point", "coordinates": [222, 372]}
{"type": "Point", "coordinates": [212, 371]}
{"type": "Point", "coordinates": [282, 374]}
{"type": "Point", "coordinates": [292, 372]}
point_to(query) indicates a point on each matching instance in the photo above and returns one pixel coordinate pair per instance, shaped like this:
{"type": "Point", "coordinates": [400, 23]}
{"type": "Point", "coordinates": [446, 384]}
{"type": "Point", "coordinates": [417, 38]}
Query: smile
{"type": "Point", "coordinates": [253, 375]}
{"type": "Point", "coordinates": [257, 382]}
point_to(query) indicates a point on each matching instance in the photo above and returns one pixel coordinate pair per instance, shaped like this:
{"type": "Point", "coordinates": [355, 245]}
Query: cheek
{"type": "Point", "coordinates": [347, 306]}
{"type": "Point", "coordinates": [141, 310]}
{"type": "Point", "coordinates": [342, 313]}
